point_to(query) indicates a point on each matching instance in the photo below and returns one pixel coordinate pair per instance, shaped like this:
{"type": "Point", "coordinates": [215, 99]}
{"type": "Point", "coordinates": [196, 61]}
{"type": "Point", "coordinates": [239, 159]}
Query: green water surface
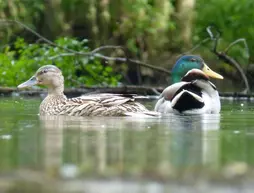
{"type": "Point", "coordinates": [46, 153]}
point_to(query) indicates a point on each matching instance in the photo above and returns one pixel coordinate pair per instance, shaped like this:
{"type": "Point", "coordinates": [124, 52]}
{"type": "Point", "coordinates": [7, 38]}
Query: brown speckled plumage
{"type": "Point", "coordinates": [56, 103]}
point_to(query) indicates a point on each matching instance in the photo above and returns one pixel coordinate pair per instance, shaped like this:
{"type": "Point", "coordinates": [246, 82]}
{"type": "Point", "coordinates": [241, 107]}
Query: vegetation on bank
{"type": "Point", "coordinates": [21, 60]}
{"type": "Point", "coordinates": [152, 31]}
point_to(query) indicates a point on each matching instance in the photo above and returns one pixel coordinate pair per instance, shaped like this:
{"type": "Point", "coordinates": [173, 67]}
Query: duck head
{"type": "Point", "coordinates": [200, 79]}
{"type": "Point", "coordinates": [49, 76]}
{"type": "Point", "coordinates": [189, 62]}
{"type": "Point", "coordinates": [195, 74]}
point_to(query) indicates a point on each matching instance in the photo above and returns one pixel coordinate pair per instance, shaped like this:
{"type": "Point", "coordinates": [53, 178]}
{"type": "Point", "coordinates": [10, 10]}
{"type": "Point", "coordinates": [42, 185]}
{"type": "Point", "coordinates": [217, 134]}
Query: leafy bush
{"type": "Point", "coordinates": [19, 62]}
{"type": "Point", "coordinates": [232, 17]}
{"type": "Point", "coordinates": [104, 22]}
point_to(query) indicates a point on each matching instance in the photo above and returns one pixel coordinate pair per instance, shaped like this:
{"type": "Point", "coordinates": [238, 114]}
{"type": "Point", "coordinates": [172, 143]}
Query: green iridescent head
{"type": "Point", "coordinates": [189, 62]}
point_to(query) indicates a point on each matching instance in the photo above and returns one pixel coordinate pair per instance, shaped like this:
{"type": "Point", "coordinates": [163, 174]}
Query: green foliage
{"type": "Point", "coordinates": [142, 25]}
{"type": "Point", "coordinates": [27, 11]}
{"type": "Point", "coordinates": [20, 62]}
{"type": "Point", "coordinates": [151, 27]}
{"type": "Point", "coordinates": [232, 17]}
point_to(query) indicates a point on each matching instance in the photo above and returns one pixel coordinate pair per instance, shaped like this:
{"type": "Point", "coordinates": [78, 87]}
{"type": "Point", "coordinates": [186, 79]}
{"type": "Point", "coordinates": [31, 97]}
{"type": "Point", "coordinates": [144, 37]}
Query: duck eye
{"type": "Point", "coordinates": [193, 60]}
{"type": "Point", "coordinates": [42, 72]}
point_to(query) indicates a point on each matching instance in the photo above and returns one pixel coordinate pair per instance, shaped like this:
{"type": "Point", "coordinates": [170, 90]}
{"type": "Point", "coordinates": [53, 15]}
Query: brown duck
{"type": "Point", "coordinates": [56, 103]}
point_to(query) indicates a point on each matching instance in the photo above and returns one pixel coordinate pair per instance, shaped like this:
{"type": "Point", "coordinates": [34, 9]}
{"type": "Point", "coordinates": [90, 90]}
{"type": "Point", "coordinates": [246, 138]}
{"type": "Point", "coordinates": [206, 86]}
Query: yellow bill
{"type": "Point", "coordinates": [211, 73]}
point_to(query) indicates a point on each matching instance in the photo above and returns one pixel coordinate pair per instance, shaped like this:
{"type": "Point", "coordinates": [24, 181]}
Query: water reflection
{"type": "Point", "coordinates": [195, 141]}
{"type": "Point", "coordinates": [130, 146]}
{"type": "Point", "coordinates": [45, 150]}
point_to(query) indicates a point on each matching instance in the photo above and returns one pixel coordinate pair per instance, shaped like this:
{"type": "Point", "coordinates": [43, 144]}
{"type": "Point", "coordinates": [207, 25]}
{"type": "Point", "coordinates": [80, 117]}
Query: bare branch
{"type": "Point", "coordinates": [196, 46]}
{"type": "Point", "coordinates": [208, 29]}
{"type": "Point", "coordinates": [62, 55]}
{"type": "Point", "coordinates": [132, 61]}
{"type": "Point", "coordinates": [237, 41]}
{"type": "Point", "coordinates": [86, 53]}
{"type": "Point", "coordinates": [37, 34]}
{"type": "Point", "coordinates": [213, 37]}
{"type": "Point", "coordinates": [227, 59]}
{"type": "Point", "coordinates": [233, 62]}
{"type": "Point", "coordinates": [211, 34]}
{"type": "Point", "coordinates": [106, 47]}
{"type": "Point", "coordinates": [97, 55]}
{"type": "Point", "coordinates": [92, 53]}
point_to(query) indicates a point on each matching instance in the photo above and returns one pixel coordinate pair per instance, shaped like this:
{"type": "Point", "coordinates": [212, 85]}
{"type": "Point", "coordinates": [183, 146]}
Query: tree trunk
{"type": "Point", "coordinates": [54, 23]}
{"type": "Point", "coordinates": [184, 13]}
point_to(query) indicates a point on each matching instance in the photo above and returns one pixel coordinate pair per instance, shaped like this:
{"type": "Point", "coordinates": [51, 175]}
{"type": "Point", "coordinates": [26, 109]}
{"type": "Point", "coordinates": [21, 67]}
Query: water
{"type": "Point", "coordinates": [210, 153]}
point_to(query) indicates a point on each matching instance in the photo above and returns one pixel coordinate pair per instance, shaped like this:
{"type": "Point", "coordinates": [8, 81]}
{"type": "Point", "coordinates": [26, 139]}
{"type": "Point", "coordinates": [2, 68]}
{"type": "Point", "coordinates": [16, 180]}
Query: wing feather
{"type": "Point", "coordinates": [101, 105]}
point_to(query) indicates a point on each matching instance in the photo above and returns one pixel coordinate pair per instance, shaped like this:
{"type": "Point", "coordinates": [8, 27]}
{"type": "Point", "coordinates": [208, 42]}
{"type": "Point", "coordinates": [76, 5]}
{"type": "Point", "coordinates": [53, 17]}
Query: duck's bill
{"type": "Point", "coordinates": [31, 82]}
{"type": "Point", "coordinates": [211, 73]}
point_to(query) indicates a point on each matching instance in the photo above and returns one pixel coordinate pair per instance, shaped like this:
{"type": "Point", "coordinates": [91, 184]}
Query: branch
{"type": "Point", "coordinates": [214, 38]}
{"type": "Point", "coordinates": [237, 41]}
{"type": "Point", "coordinates": [97, 55]}
{"type": "Point", "coordinates": [92, 53]}
{"type": "Point", "coordinates": [196, 46]}
{"type": "Point", "coordinates": [208, 29]}
{"type": "Point", "coordinates": [37, 34]}
{"type": "Point", "coordinates": [62, 55]}
{"type": "Point", "coordinates": [233, 62]}
{"type": "Point", "coordinates": [132, 61]}
{"type": "Point", "coordinates": [106, 47]}
{"type": "Point", "coordinates": [227, 59]}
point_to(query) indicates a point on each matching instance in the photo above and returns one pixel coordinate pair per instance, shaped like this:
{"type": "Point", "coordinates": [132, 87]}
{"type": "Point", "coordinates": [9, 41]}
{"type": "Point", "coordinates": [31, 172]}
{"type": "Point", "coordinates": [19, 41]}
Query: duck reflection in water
{"type": "Point", "coordinates": [102, 145]}
{"type": "Point", "coordinates": [196, 140]}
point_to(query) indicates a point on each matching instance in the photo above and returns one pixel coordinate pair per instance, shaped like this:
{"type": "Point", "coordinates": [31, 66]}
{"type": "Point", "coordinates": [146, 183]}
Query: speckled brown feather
{"type": "Point", "coordinates": [91, 105]}
{"type": "Point", "coordinates": [56, 103]}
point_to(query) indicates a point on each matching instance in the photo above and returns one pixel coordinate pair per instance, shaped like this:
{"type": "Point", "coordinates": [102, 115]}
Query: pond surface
{"type": "Point", "coordinates": [210, 153]}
